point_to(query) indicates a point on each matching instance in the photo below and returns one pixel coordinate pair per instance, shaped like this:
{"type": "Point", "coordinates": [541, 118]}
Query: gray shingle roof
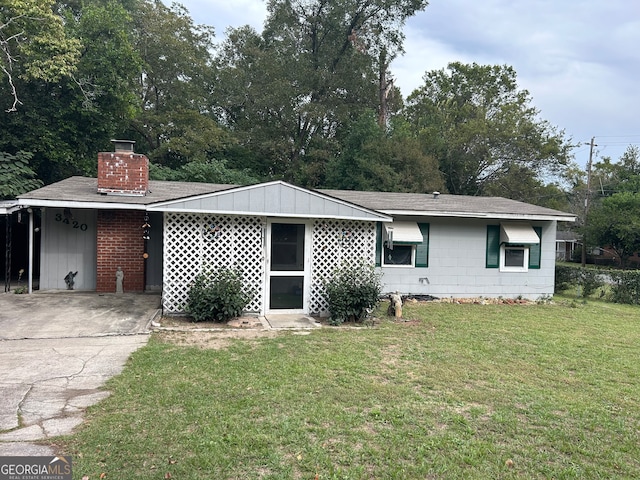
{"type": "Point", "coordinates": [567, 236]}
{"type": "Point", "coordinates": [83, 189]}
{"type": "Point", "coordinates": [453, 204]}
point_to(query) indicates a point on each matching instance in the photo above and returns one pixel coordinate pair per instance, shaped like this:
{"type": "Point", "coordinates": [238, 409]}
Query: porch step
{"type": "Point", "coordinates": [291, 321]}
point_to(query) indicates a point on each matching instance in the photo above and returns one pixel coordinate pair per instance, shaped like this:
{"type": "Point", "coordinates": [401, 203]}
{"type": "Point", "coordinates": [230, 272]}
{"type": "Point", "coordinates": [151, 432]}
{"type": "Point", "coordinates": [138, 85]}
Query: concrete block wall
{"type": "Point", "coordinates": [457, 265]}
{"type": "Point", "coordinates": [120, 244]}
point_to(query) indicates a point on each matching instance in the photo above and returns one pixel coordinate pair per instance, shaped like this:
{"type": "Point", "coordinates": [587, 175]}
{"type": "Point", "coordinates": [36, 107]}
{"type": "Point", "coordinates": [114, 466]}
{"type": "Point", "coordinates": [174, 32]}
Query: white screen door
{"type": "Point", "coordinates": [287, 267]}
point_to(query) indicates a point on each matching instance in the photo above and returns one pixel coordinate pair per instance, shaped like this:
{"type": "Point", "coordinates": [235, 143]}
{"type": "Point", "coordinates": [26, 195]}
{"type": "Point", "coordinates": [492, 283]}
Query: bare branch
{"type": "Point", "coordinates": [14, 92]}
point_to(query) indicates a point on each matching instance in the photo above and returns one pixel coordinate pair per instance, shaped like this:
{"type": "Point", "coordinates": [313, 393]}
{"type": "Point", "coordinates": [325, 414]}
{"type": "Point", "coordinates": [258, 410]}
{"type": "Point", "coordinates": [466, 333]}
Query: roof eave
{"type": "Point", "coordinates": [32, 202]}
{"type": "Point", "coordinates": [35, 202]}
{"type": "Point", "coordinates": [8, 209]}
{"type": "Point", "coordinates": [380, 217]}
{"type": "Point", "coordinates": [499, 216]}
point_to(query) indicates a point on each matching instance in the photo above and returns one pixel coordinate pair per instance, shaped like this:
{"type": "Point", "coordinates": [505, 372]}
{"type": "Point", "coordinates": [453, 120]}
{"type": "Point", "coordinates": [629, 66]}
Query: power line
{"type": "Point", "coordinates": [618, 136]}
{"type": "Point", "coordinates": [619, 143]}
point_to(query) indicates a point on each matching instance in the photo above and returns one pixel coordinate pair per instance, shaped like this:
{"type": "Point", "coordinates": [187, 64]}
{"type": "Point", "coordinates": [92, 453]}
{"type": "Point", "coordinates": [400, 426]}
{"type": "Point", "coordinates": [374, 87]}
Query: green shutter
{"type": "Point", "coordinates": [378, 244]}
{"type": "Point", "coordinates": [535, 250]}
{"type": "Point", "coordinates": [422, 250]}
{"type": "Point", "coordinates": [493, 246]}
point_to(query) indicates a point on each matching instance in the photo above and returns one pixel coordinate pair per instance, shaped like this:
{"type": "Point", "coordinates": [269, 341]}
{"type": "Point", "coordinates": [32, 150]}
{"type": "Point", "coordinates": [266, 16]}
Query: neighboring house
{"type": "Point", "coordinates": [566, 245]}
{"type": "Point", "coordinates": [286, 239]}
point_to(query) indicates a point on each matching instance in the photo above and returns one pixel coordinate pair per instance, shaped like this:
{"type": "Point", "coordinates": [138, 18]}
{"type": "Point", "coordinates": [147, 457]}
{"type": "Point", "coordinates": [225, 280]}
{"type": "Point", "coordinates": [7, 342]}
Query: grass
{"type": "Point", "coordinates": [462, 391]}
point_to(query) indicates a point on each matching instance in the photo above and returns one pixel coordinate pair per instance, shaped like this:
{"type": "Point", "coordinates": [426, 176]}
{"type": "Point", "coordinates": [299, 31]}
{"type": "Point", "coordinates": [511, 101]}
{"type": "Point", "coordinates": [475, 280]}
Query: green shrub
{"type": "Point", "coordinates": [566, 277]}
{"type": "Point", "coordinates": [352, 292]}
{"type": "Point", "coordinates": [589, 280]}
{"type": "Point", "coordinates": [217, 295]}
{"type": "Point", "coordinates": [625, 286]}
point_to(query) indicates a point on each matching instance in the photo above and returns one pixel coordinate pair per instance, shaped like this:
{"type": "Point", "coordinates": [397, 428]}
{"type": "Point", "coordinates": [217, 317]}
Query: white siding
{"type": "Point", "coordinates": [457, 253]}
{"type": "Point", "coordinates": [68, 245]}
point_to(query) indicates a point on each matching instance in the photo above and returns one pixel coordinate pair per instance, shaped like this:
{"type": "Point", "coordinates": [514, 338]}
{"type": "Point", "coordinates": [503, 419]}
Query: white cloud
{"type": "Point", "coordinates": [222, 14]}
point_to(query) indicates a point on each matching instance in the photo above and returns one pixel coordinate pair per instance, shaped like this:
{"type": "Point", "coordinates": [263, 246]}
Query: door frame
{"type": "Point", "coordinates": [305, 274]}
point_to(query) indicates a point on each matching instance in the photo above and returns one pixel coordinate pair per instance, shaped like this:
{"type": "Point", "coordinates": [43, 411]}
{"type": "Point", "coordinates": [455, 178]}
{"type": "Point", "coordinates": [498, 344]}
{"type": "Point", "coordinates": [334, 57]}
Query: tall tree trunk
{"type": "Point", "coordinates": [384, 89]}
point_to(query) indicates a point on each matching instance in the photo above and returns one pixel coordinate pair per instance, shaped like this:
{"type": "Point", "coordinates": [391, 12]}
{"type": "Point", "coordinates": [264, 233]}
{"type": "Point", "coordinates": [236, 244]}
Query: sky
{"type": "Point", "coordinates": [579, 59]}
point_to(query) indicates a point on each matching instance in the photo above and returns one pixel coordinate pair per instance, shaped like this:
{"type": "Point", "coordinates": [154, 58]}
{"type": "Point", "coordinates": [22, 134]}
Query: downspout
{"type": "Point", "coordinates": [30, 210]}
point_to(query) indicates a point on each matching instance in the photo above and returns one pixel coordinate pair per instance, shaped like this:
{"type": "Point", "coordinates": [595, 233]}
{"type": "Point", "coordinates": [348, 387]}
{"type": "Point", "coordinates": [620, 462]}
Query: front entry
{"type": "Point", "coordinates": [287, 267]}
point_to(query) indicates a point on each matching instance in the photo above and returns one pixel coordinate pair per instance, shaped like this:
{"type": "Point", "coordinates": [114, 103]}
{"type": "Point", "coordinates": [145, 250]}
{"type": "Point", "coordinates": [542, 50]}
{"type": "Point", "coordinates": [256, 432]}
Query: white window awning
{"type": "Point", "coordinates": [518, 234]}
{"type": "Point", "coordinates": [403, 233]}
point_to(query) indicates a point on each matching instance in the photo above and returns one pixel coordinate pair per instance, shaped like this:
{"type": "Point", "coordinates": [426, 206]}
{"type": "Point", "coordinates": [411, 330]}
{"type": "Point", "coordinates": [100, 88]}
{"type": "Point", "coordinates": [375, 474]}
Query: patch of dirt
{"type": "Point", "coordinates": [183, 323]}
{"type": "Point", "coordinates": [214, 340]}
{"type": "Point", "coordinates": [184, 331]}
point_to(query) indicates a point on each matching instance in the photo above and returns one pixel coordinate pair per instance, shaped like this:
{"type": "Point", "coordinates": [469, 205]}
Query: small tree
{"type": "Point", "coordinates": [352, 292]}
{"type": "Point", "coordinates": [616, 224]}
{"type": "Point", "coordinates": [217, 295]}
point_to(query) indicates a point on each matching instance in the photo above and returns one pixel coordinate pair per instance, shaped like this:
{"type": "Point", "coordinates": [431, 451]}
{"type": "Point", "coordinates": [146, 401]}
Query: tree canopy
{"type": "Point", "coordinates": [309, 99]}
{"type": "Point", "coordinates": [374, 158]}
{"type": "Point", "coordinates": [610, 177]}
{"type": "Point", "coordinates": [614, 205]}
{"type": "Point", "coordinates": [615, 224]}
{"type": "Point", "coordinates": [483, 129]}
{"type": "Point", "coordinates": [33, 45]}
{"type": "Point", "coordinates": [16, 176]}
{"type": "Point", "coordinates": [65, 121]}
{"type": "Point", "coordinates": [291, 89]}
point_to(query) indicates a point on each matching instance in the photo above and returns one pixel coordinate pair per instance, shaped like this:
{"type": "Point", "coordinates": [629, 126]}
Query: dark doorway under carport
{"type": "Point", "coordinates": [14, 239]}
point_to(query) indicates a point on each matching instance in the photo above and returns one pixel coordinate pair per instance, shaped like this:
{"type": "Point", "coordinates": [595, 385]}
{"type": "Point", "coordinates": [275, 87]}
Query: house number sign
{"type": "Point", "coordinates": [70, 221]}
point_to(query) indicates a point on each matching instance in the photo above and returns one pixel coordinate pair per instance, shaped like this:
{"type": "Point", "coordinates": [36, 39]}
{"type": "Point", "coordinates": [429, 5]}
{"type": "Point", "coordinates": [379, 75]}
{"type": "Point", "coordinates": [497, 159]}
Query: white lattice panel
{"type": "Point", "coordinates": [193, 242]}
{"type": "Point", "coordinates": [336, 242]}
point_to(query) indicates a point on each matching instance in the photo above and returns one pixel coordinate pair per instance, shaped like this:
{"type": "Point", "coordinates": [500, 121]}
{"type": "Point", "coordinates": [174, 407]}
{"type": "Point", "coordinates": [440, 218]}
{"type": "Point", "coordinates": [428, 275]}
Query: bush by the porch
{"type": "Point", "coordinates": [352, 292]}
{"type": "Point", "coordinates": [217, 295]}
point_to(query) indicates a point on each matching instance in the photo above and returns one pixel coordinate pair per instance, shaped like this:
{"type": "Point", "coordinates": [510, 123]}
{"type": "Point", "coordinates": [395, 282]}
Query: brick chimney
{"type": "Point", "coordinates": [123, 172]}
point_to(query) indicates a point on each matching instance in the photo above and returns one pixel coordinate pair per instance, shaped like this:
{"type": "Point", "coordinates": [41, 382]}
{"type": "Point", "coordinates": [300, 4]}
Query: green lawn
{"type": "Point", "coordinates": [464, 391]}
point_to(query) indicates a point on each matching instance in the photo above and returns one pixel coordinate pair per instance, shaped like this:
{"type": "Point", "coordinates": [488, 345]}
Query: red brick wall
{"type": "Point", "coordinates": [120, 244]}
{"type": "Point", "coordinates": [123, 173]}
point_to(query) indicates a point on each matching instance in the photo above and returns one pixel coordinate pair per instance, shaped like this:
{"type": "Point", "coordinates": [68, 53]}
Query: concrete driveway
{"type": "Point", "coordinates": [56, 352]}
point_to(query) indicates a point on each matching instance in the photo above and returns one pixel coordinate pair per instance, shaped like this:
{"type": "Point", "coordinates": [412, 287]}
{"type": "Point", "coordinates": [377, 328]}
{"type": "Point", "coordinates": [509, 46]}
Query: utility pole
{"type": "Point", "coordinates": [586, 201]}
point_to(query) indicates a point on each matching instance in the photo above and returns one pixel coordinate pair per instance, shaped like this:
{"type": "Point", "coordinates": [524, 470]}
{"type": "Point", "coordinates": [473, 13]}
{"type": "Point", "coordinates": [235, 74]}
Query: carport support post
{"type": "Point", "coordinates": [7, 253]}
{"type": "Point", "coordinates": [30, 210]}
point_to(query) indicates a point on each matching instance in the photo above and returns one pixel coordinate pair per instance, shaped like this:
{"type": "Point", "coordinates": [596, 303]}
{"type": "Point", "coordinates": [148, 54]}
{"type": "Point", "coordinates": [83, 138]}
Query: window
{"type": "Point", "coordinates": [403, 244]}
{"type": "Point", "coordinates": [504, 253]}
{"type": "Point", "coordinates": [400, 255]}
{"type": "Point", "coordinates": [514, 258]}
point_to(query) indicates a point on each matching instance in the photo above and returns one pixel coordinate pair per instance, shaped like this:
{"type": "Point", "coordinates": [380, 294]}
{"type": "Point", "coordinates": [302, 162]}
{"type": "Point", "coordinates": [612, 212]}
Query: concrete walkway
{"type": "Point", "coordinates": [56, 352]}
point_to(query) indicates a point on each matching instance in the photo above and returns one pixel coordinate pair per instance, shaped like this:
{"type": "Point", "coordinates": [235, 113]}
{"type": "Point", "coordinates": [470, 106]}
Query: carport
{"type": "Point", "coordinates": [13, 213]}
{"type": "Point", "coordinates": [66, 314]}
